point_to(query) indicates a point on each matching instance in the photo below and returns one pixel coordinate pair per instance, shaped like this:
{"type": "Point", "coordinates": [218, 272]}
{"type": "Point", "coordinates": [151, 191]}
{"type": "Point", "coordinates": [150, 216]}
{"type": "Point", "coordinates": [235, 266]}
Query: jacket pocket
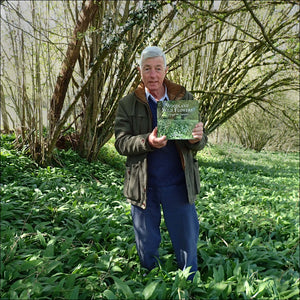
{"type": "Point", "coordinates": [135, 182]}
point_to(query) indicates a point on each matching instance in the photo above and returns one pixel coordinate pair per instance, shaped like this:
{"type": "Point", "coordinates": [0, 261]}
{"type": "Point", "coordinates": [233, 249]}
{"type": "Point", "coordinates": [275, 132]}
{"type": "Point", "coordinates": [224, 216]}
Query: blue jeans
{"type": "Point", "coordinates": [181, 220]}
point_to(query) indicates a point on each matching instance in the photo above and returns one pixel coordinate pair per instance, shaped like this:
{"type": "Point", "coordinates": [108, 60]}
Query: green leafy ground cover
{"type": "Point", "coordinates": [66, 231]}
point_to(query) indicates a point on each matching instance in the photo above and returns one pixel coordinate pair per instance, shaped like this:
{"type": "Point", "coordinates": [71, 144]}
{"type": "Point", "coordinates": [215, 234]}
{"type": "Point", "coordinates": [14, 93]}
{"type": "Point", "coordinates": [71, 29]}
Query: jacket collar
{"type": "Point", "coordinates": [175, 91]}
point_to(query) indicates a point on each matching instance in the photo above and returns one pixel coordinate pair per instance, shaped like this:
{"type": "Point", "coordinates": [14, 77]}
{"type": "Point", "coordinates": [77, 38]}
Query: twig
{"type": "Point", "coordinates": [269, 42]}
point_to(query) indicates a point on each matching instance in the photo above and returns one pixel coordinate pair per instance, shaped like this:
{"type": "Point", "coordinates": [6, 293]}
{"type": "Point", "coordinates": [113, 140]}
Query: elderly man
{"type": "Point", "coordinates": [159, 172]}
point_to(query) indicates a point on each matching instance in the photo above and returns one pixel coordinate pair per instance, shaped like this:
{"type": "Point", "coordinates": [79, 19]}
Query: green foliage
{"type": "Point", "coordinates": [66, 230]}
{"type": "Point", "coordinates": [176, 129]}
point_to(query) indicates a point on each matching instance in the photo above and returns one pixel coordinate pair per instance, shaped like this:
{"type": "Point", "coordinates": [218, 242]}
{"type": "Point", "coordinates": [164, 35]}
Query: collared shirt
{"type": "Point", "coordinates": [165, 97]}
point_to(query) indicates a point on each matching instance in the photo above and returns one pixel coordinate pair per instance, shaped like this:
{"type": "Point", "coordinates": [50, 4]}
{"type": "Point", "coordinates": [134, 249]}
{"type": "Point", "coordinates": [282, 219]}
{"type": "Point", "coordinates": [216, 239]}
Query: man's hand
{"type": "Point", "coordinates": [197, 133]}
{"type": "Point", "coordinates": [156, 142]}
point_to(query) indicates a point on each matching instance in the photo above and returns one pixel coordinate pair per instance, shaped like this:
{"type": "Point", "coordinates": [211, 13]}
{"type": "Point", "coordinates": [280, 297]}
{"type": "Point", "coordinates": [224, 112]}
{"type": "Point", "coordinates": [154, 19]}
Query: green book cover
{"type": "Point", "coordinates": [176, 119]}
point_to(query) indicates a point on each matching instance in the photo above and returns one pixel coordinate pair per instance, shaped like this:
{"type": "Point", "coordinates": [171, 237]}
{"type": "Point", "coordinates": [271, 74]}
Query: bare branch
{"type": "Point", "coordinates": [269, 42]}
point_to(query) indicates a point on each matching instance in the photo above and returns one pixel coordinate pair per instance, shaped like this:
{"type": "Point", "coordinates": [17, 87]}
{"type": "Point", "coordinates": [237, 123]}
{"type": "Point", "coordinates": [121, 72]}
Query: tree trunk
{"type": "Point", "coordinates": [4, 111]}
{"type": "Point", "coordinates": [85, 17]}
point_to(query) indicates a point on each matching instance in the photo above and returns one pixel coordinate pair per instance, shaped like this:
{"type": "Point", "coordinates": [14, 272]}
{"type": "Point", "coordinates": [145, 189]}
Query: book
{"type": "Point", "coordinates": [176, 119]}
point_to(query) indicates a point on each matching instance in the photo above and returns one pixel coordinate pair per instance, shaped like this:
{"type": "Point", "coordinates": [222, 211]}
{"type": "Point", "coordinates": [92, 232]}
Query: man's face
{"type": "Point", "coordinates": [153, 73]}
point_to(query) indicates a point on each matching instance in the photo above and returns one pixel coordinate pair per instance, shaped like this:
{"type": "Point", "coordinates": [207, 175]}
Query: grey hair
{"type": "Point", "coordinates": [152, 51]}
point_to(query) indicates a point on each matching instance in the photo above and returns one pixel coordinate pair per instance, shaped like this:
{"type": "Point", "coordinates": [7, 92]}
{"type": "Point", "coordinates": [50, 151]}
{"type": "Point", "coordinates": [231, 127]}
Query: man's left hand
{"type": "Point", "coordinates": [197, 133]}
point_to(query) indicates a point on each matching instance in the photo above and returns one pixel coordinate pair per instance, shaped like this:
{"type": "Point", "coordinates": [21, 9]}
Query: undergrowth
{"type": "Point", "coordinates": [66, 230]}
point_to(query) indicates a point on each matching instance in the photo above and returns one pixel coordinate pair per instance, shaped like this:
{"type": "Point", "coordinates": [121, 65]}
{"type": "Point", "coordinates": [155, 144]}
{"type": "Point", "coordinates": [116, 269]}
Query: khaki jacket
{"type": "Point", "coordinates": [133, 125]}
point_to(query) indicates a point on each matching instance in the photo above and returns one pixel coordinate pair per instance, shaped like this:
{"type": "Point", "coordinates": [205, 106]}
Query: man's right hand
{"type": "Point", "coordinates": [157, 142]}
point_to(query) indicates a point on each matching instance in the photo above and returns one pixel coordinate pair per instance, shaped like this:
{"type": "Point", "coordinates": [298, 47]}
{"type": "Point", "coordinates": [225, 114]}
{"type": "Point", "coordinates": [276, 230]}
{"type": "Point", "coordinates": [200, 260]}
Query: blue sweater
{"type": "Point", "coordinates": [164, 164]}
